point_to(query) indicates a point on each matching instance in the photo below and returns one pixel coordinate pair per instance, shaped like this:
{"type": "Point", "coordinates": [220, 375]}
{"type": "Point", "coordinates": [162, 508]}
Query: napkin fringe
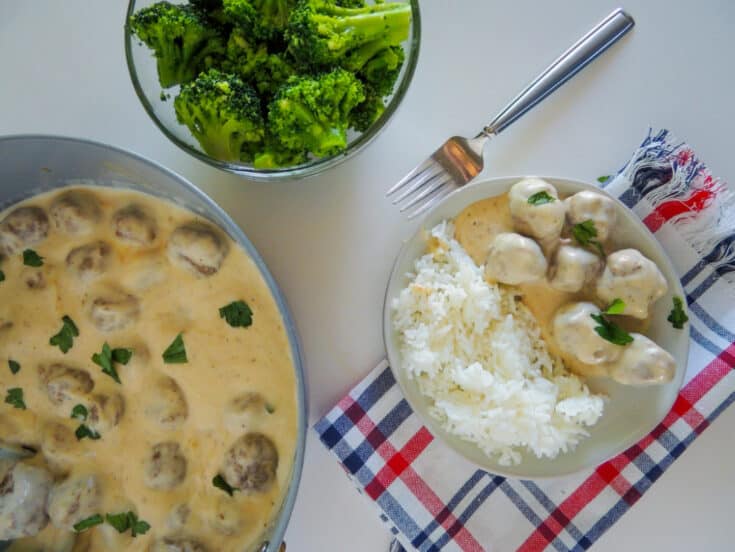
{"type": "Point", "coordinates": [668, 175]}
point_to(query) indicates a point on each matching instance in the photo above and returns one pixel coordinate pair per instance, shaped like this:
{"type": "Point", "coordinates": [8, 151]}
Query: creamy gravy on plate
{"type": "Point", "coordinates": [135, 271]}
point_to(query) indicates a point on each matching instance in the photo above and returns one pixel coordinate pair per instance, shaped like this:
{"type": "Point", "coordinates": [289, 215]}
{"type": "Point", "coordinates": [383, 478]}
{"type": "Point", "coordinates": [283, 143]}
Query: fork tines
{"type": "Point", "coordinates": [425, 185]}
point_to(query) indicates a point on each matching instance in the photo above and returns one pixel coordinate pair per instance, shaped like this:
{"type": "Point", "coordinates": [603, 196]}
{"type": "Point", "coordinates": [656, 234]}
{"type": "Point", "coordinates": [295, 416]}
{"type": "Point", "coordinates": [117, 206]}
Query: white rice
{"type": "Point", "coordinates": [477, 353]}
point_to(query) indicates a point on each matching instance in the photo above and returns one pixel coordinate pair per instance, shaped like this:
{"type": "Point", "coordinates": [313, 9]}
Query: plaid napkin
{"type": "Point", "coordinates": [432, 499]}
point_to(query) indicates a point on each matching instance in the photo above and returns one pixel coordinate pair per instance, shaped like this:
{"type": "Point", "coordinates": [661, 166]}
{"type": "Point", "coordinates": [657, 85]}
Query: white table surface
{"type": "Point", "coordinates": [330, 240]}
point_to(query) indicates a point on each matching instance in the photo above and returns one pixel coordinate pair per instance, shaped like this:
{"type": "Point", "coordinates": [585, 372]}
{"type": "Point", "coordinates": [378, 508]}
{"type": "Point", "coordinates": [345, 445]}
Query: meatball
{"type": "Point", "coordinates": [198, 248]}
{"type": "Point", "coordinates": [251, 463]}
{"type": "Point", "coordinates": [573, 267]}
{"type": "Point", "coordinates": [226, 516]}
{"type": "Point", "coordinates": [114, 310]}
{"type": "Point", "coordinates": [178, 517]}
{"type": "Point", "coordinates": [574, 332]}
{"type": "Point", "coordinates": [243, 410]}
{"type": "Point", "coordinates": [73, 500]}
{"type": "Point", "coordinates": [75, 212]}
{"type": "Point", "coordinates": [177, 544]}
{"type": "Point", "coordinates": [643, 363]}
{"type": "Point", "coordinates": [34, 278]}
{"type": "Point", "coordinates": [58, 444]}
{"type": "Point", "coordinates": [165, 466]}
{"type": "Point", "coordinates": [135, 226]}
{"type": "Point", "coordinates": [514, 259]}
{"type": "Point", "coordinates": [630, 276]}
{"type": "Point", "coordinates": [539, 220]}
{"type": "Point", "coordinates": [23, 493]}
{"type": "Point", "coordinates": [22, 228]}
{"type": "Point", "coordinates": [598, 208]}
{"type": "Point", "coordinates": [166, 404]}
{"type": "Point", "coordinates": [89, 261]}
{"type": "Point", "coordinates": [105, 411]}
{"type": "Point", "coordinates": [64, 383]}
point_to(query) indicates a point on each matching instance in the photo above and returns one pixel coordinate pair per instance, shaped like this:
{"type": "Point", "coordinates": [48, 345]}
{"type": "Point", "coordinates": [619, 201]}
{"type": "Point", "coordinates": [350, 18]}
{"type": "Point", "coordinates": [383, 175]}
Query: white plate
{"type": "Point", "coordinates": [631, 412]}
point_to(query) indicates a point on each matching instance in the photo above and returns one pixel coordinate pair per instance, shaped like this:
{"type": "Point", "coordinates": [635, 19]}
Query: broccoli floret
{"type": "Point", "coordinates": [224, 115]}
{"type": "Point", "coordinates": [181, 39]}
{"type": "Point", "coordinates": [322, 33]}
{"type": "Point", "coordinates": [312, 113]}
{"type": "Point", "coordinates": [273, 73]}
{"type": "Point", "coordinates": [275, 155]}
{"type": "Point", "coordinates": [368, 111]}
{"type": "Point", "coordinates": [265, 71]}
{"type": "Point", "coordinates": [214, 11]}
{"type": "Point", "coordinates": [381, 71]}
{"type": "Point", "coordinates": [261, 19]}
{"type": "Point", "coordinates": [243, 57]}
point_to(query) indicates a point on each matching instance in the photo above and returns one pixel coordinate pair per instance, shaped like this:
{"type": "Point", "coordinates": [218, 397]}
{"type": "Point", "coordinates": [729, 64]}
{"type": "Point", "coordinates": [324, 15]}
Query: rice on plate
{"type": "Point", "coordinates": [476, 351]}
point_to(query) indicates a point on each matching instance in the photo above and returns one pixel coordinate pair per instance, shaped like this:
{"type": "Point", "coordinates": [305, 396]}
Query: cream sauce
{"type": "Point", "coordinates": [223, 362]}
{"type": "Point", "coordinates": [477, 225]}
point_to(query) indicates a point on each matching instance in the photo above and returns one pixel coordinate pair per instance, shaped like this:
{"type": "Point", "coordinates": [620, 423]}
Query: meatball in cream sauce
{"type": "Point", "coordinates": [527, 238]}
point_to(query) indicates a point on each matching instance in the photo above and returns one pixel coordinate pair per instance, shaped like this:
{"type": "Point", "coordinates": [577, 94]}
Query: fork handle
{"type": "Point", "coordinates": [586, 49]}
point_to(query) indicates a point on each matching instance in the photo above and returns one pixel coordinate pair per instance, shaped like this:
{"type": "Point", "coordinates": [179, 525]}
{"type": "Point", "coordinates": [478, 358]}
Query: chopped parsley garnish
{"type": "Point", "coordinates": [121, 521]}
{"type": "Point", "coordinates": [2, 276]}
{"type": "Point", "coordinates": [678, 316]}
{"type": "Point", "coordinates": [220, 483]}
{"type": "Point", "coordinates": [128, 520]}
{"type": "Point", "coordinates": [238, 314]}
{"type": "Point", "coordinates": [604, 178]}
{"type": "Point", "coordinates": [31, 258]}
{"type": "Point", "coordinates": [121, 355]}
{"type": "Point", "coordinates": [79, 412]}
{"type": "Point", "coordinates": [108, 357]}
{"type": "Point", "coordinates": [616, 307]}
{"type": "Point", "coordinates": [86, 431]}
{"type": "Point", "coordinates": [88, 523]}
{"type": "Point", "coordinates": [610, 331]}
{"type": "Point", "coordinates": [15, 398]}
{"type": "Point", "coordinates": [176, 352]}
{"type": "Point", "coordinates": [540, 198]}
{"type": "Point", "coordinates": [14, 366]}
{"type": "Point", "coordinates": [585, 234]}
{"type": "Point", "coordinates": [65, 338]}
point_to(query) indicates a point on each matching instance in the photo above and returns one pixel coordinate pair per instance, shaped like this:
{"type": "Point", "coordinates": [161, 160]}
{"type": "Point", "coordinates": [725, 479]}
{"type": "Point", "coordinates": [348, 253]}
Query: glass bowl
{"type": "Point", "coordinates": [33, 164]}
{"type": "Point", "coordinates": [142, 68]}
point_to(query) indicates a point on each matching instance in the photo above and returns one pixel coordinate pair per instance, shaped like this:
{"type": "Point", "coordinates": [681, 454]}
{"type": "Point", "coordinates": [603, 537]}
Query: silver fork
{"type": "Point", "coordinates": [459, 159]}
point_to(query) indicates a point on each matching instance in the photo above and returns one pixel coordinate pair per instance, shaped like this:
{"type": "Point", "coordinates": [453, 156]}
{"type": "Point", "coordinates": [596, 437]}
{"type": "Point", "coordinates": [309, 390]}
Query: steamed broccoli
{"type": "Point", "coordinates": [265, 71]}
{"type": "Point", "coordinates": [273, 82]}
{"type": "Point", "coordinates": [312, 113]}
{"type": "Point", "coordinates": [321, 33]}
{"type": "Point", "coordinates": [364, 114]}
{"type": "Point", "coordinates": [381, 71]}
{"type": "Point", "coordinates": [224, 115]}
{"type": "Point", "coordinates": [275, 155]}
{"type": "Point", "coordinates": [242, 56]}
{"type": "Point", "coordinates": [261, 19]}
{"type": "Point", "coordinates": [182, 41]}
